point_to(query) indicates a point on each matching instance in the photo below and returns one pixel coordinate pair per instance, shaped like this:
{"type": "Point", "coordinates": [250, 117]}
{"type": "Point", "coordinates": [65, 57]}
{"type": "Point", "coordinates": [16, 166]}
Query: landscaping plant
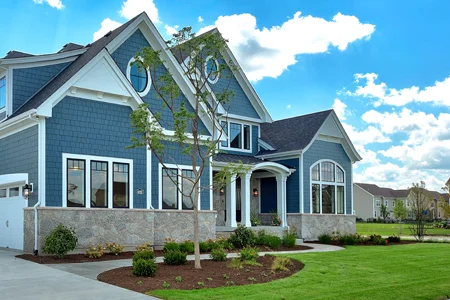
{"type": "Point", "coordinates": [114, 248]}
{"type": "Point", "coordinates": [144, 254]}
{"type": "Point", "coordinates": [60, 241]}
{"type": "Point", "coordinates": [249, 253]}
{"type": "Point", "coordinates": [145, 246]}
{"type": "Point", "coordinates": [205, 246]}
{"type": "Point", "coordinates": [218, 254]}
{"type": "Point", "coordinates": [242, 237]}
{"type": "Point", "coordinates": [171, 246]}
{"type": "Point", "coordinates": [144, 267]}
{"type": "Point", "coordinates": [95, 251]}
{"type": "Point", "coordinates": [187, 246]}
{"type": "Point", "coordinates": [400, 213]}
{"type": "Point", "coordinates": [325, 238]}
{"type": "Point", "coordinates": [420, 206]}
{"type": "Point", "coordinates": [175, 257]}
{"type": "Point", "coordinates": [289, 239]}
{"type": "Point", "coordinates": [281, 264]}
{"type": "Point", "coordinates": [254, 219]}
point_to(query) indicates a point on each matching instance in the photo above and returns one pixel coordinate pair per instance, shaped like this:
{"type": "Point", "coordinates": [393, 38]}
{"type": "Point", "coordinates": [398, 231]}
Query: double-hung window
{"type": "Point", "coordinates": [239, 136]}
{"type": "Point", "coordinates": [378, 203]}
{"type": "Point", "coordinates": [177, 187]}
{"type": "Point", "coordinates": [327, 188]}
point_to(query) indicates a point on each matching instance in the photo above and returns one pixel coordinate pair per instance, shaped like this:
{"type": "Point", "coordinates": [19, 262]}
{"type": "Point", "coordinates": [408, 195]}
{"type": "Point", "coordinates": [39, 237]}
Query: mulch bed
{"type": "Point", "coordinates": [213, 270]}
{"type": "Point", "coordinates": [81, 258]}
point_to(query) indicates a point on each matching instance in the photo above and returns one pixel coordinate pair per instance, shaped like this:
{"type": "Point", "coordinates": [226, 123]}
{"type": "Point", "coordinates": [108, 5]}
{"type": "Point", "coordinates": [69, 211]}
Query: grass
{"type": "Point", "coordinates": [392, 229]}
{"type": "Point", "coordinates": [415, 271]}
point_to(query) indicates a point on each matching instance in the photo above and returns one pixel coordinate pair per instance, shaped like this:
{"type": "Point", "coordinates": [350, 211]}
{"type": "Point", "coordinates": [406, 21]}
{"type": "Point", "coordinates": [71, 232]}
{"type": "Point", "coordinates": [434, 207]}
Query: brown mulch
{"type": "Point", "coordinates": [213, 274]}
{"type": "Point", "coordinates": [81, 258]}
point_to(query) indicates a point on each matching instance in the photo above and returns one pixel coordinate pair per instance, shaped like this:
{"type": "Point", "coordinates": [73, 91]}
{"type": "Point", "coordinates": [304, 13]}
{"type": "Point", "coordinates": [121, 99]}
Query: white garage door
{"type": "Point", "coordinates": [11, 216]}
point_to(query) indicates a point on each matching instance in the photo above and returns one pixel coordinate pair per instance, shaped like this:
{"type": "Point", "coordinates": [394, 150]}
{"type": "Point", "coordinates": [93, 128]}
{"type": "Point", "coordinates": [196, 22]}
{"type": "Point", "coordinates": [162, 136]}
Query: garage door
{"type": "Point", "coordinates": [11, 216]}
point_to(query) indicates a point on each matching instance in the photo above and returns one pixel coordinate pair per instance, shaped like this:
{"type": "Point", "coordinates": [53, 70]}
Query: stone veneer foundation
{"type": "Point", "coordinates": [310, 226]}
{"type": "Point", "coordinates": [129, 227]}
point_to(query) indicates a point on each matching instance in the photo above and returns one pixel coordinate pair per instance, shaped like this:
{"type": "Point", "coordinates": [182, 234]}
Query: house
{"type": "Point", "coordinates": [368, 199]}
{"type": "Point", "coordinates": [65, 128]}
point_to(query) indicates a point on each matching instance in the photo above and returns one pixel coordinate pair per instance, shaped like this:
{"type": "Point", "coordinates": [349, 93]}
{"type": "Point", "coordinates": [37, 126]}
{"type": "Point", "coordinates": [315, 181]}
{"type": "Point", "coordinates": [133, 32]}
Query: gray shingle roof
{"type": "Point", "coordinates": [383, 192]}
{"type": "Point", "coordinates": [37, 99]}
{"type": "Point", "coordinates": [16, 54]}
{"type": "Point", "coordinates": [244, 159]}
{"type": "Point", "coordinates": [70, 47]}
{"type": "Point", "coordinates": [293, 133]}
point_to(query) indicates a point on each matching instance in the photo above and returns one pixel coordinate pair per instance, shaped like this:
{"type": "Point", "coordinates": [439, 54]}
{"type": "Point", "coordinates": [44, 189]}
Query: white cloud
{"type": "Point", "coordinates": [200, 19]}
{"type": "Point", "coordinates": [53, 3]}
{"type": "Point", "coordinates": [170, 31]}
{"type": "Point", "coordinates": [340, 109]}
{"type": "Point", "coordinates": [131, 8]}
{"type": "Point", "coordinates": [288, 106]}
{"type": "Point", "coordinates": [438, 93]}
{"type": "Point", "coordinates": [107, 26]}
{"type": "Point", "coordinates": [268, 52]}
{"type": "Point", "coordinates": [369, 135]}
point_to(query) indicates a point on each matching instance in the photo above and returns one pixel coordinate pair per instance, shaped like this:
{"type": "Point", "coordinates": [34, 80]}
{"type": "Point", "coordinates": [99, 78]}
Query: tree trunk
{"type": "Point", "coordinates": [197, 264]}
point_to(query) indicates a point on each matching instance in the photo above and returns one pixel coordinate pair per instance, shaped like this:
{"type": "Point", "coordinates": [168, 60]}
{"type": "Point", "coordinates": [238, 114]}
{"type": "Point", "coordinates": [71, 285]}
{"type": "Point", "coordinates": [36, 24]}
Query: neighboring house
{"type": "Point", "coordinates": [368, 199]}
{"type": "Point", "coordinates": [65, 126]}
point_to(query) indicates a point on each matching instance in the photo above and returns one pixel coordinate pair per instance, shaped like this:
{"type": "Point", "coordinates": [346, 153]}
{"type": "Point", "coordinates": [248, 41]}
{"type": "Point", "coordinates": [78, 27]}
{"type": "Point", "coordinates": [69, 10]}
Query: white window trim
{"type": "Point", "coordinates": [87, 169]}
{"type": "Point", "coordinates": [242, 137]}
{"type": "Point", "coordinates": [336, 184]}
{"type": "Point", "coordinates": [377, 203]}
{"type": "Point", "coordinates": [149, 79]}
{"type": "Point", "coordinates": [180, 168]}
{"type": "Point", "coordinates": [205, 69]}
{"type": "Point", "coordinates": [4, 109]}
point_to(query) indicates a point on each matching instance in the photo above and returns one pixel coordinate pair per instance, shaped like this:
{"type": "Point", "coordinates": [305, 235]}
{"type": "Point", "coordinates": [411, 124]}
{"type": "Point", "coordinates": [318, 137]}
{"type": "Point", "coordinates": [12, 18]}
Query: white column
{"type": "Point", "coordinates": [281, 198]}
{"type": "Point", "coordinates": [245, 199]}
{"type": "Point", "coordinates": [231, 202]}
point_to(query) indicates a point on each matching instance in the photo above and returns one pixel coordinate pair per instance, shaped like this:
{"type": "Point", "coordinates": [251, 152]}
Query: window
{"type": "Point", "coordinates": [76, 181]}
{"type": "Point", "coordinates": [187, 187]}
{"type": "Point", "coordinates": [169, 189]}
{"type": "Point", "coordinates": [99, 184]}
{"type": "Point", "coordinates": [393, 203]}
{"type": "Point", "coordinates": [2, 193]}
{"type": "Point", "coordinates": [375, 214]}
{"type": "Point", "coordinates": [172, 180]}
{"type": "Point", "coordinates": [386, 203]}
{"type": "Point", "coordinates": [211, 70]}
{"type": "Point", "coordinates": [378, 203]}
{"type": "Point", "coordinates": [14, 192]}
{"type": "Point", "coordinates": [327, 188]}
{"type": "Point", "coordinates": [139, 77]}
{"type": "Point", "coordinates": [239, 136]}
{"type": "Point", "coordinates": [121, 185]}
{"type": "Point", "coordinates": [407, 203]}
{"type": "Point", "coordinates": [2, 92]}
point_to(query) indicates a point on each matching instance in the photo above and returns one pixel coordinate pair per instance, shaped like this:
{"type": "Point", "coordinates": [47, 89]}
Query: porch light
{"type": "Point", "coordinates": [222, 191]}
{"type": "Point", "coordinates": [255, 193]}
{"type": "Point", "coordinates": [27, 190]}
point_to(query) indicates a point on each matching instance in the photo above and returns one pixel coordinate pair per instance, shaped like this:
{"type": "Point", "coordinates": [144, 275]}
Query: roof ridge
{"type": "Point", "coordinates": [306, 115]}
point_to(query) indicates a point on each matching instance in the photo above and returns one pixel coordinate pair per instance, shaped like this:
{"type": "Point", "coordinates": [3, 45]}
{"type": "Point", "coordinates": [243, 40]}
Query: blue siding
{"type": "Point", "coordinates": [19, 154]}
{"type": "Point", "coordinates": [2, 115]}
{"type": "Point", "coordinates": [87, 127]}
{"type": "Point", "coordinates": [122, 56]}
{"type": "Point", "coordinates": [326, 150]}
{"type": "Point", "coordinates": [27, 82]}
{"type": "Point", "coordinates": [292, 185]}
{"type": "Point", "coordinates": [254, 144]}
{"type": "Point", "coordinates": [268, 195]}
{"type": "Point", "coordinates": [239, 104]}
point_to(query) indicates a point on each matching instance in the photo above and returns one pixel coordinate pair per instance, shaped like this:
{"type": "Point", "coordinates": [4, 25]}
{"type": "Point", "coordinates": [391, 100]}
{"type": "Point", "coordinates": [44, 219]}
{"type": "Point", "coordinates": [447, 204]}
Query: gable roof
{"type": "Point", "coordinates": [375, 190]}
{"type": "Point", "coordinates": [16, 54]}
{"type": "Point", "coordinates": [293, 133]}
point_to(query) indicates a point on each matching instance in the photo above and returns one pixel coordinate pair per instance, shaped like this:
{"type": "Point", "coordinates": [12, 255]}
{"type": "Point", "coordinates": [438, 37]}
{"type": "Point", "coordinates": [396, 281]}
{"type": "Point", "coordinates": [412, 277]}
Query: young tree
{"type": "Point", "coordinates": [384, 212]}
{"type": "Point", "coordinates": [420, 206]}
{"type": "Point", "coordinates": [188, 137]}
{"type": "Point", "coordinates": [400, 213]}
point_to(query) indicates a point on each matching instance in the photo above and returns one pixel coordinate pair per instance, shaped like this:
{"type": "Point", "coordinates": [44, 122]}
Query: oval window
{"type": "Point", "coordinates": [212, 69]}
{"type": "Point", "coordinates": [138, 76]}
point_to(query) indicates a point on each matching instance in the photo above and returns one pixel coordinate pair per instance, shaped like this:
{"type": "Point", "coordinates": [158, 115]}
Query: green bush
{"type": "Point", "coordinates": [281, 264]}
{"type": "Point", "coordinates": [249, 253]}
{"type": "Point", "coordinates": [95, 251]}
{"type": "Point", "coordinates": [144, 267]}
{"type": "Point", "coordinates": [242, 237]}
{"type": "Point", "coordinates": [145, 246]}
{"type": "Point", "coordinates": [144, 254]}
{"type": "Point", "coordinates": [205, 246]}
{"type": "Point", "coordinates": [349, 239]}
{"type": "Point", "coordinates": [175, 257]}
{"type": "Point", "coordinates": [393, 239]}
{"type": "Point", "coordinates": [60, 241]}
{"type": "Point", "coordinates": [115, 248]}
{"type": "Point", "coordinates": [171, 246]}
{"type": "Point", "coordinates": [289, 239]}
{"type": "Point", "coordinates": [325, 238]}
{"type": "Point", "coordinates": [218, 254]}
{"type": "Point", "coordinates": [187, 246]}
{"type": "Point", "coordinates": [268, 240]}
{"type": "Point", "coordinates": [254, 219]}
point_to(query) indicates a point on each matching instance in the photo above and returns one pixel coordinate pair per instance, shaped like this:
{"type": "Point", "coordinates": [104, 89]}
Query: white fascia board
{"type": "Point", "coordinates": [42, 58]}
{"type": "Point", "coordinates": [18, 123]}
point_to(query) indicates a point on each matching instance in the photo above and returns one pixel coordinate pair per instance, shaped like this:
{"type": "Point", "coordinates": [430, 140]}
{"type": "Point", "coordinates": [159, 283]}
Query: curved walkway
{"type": "Point", "coordinates": [92, 269]}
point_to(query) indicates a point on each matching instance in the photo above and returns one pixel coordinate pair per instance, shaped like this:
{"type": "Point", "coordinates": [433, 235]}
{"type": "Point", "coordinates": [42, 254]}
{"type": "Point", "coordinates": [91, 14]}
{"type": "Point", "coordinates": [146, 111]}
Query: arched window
{"type": "Point", "coordinates": [211, 69]}
{"type": "Point", "coordinates": [327, 188]}
{"type": "Point", "coordinates": [139, 77]}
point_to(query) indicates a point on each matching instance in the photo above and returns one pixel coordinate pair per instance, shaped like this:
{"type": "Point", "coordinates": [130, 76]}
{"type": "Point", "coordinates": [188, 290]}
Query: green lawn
{"type": "Point", "coordinates": [392, 229]}
{"type": "Point", "coordinates": [415, 271]}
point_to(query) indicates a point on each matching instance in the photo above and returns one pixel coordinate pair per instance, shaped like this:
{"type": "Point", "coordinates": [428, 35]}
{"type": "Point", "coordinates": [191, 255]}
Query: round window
{"type": "Point", "coordinates": [212, 69]}
{"type": "Point", "coordinates": [138, 76]}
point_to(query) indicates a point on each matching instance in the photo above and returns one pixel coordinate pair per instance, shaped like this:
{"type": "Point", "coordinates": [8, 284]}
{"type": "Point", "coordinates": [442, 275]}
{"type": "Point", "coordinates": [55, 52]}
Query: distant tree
{"type": "Point", "coordinates": [400, 213]}
{"type": "Point", "coordinates": [444, 204]}
{"type": "Point", "coordinates": [420, 206]}
{"type": "Point", "coordinates": [384, 212]}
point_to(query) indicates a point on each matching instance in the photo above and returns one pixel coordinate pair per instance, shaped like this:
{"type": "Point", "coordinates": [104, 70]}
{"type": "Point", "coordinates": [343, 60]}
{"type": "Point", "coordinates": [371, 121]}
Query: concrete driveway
{"type": "Point", "coordinates": [21, 279]}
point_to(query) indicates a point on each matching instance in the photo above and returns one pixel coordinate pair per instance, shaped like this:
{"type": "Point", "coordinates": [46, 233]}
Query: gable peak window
{"type": "Point", "coordinates": [211, 69]}
{"type": "Point", "coordinates": [2, 93]}
{"type": "Point", "coordinates": [138, 76]}
{"type": "Point", "coordinates": [327, 188]}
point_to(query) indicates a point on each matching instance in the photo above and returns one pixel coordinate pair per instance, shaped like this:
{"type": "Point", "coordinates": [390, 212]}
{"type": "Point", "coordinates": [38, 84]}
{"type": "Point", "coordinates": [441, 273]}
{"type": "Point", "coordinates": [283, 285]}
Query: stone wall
{"type": "Point", "coordinates": [310, 226]}
{"type": "Point", "coordinates": [129, 227]}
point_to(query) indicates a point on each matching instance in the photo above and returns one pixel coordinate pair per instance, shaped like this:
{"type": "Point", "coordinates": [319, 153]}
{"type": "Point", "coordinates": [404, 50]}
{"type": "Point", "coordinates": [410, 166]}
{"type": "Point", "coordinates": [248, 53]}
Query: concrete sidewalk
{"type": "Point", "coordinates": [92, 269]}
{"type": "Point", "coordinates": [23, 280]}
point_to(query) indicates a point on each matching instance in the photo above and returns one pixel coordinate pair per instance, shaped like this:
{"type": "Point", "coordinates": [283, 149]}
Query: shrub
{"type": "Point", "coordinates": [144, 267]}
{"type": "Point", "coordinates": [254, 219]}
{"type": "Point", "coordinates": [218, 254]}
{"type": "Point", "coordinates": [281, 264]}
{"type": "Point", "coordinates": [145, 246]}
{"type": "Point", "coordinates": [276, 221]}
{"type": "Point", "coordinates": [205, 246]}
{"type": "Point", "coordinates": [271, 241]}
{"type": "Point", "coordinates": [235, 263]}
{"type": "Point", "coordinates": [249, 253]}
{"type": "Point", "coordinates": [289, 239]}
{"type": "Point", "coordinates": [325, 238]}
{"type": "Point", "coordinates": [187, 246]}
{"type": "Point", "coordinates": [144, 254]}
{"type": "Point", "coordinates": [114, 248]}
{"type": "Point", "coordinates": [242, 237]}
{"type": "Point", "coordinates": [171, 246]}
{"type": "Point", "coordinates": [60, 241]}
{"type": "Point", "coordinates": [175, 257]}
{"type": "Point", "coordinates": [95, 251]}
{"type": "Point", "coordinates": [349, 239]}
{"type": "Point", "coordinates": [393, 239]}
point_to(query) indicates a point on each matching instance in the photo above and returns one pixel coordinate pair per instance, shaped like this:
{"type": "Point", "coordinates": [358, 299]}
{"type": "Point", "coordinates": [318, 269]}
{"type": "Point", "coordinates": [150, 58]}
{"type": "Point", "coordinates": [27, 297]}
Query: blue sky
{"type": "Point", "coordinates": [383, 65]}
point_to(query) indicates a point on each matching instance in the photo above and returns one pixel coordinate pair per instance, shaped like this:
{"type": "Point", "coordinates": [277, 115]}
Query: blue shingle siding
{"type": "Point", "coordinates": [122, 56]}
{"type": "Point", "coordinates": [268, 195]}
{"type": "Point", "coordinates": [19, 154]}
{"type": "Point", "coordinates": [254, 144]}
{"type": "Point", "coordinates": [87, 127]}
{"type": "Point", "coordinates": [326, 150]}
{"type": "Point", "coordinates": [173, 155]}
{"type": "Point", "coordinates": [292, 185]}
{"type": "Point", "coordinates": [239, 104]}
{"type": "Point", "coordinates": [2, 115]}
{"type": "Point", "coordinates": [27, 82]}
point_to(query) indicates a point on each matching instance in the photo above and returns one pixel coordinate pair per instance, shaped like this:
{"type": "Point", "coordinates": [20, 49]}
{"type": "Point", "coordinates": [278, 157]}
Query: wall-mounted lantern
{"type": "Point", "coordinates": [27, 190]}
{"type": "Point", "coordinates": [255, 193]}
{"type": "Point", "coordinates": [222, 191]}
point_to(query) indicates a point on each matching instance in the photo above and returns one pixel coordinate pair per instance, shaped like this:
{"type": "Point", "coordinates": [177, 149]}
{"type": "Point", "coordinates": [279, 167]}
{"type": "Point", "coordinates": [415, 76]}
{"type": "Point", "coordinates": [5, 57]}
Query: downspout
{"type": "Point", "coordinates": [35, 207]}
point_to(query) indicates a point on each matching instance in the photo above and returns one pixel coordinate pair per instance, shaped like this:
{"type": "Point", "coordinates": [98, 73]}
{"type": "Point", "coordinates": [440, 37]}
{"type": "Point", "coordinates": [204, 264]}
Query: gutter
{"type": "Point", "coordinates": [33, 118]}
